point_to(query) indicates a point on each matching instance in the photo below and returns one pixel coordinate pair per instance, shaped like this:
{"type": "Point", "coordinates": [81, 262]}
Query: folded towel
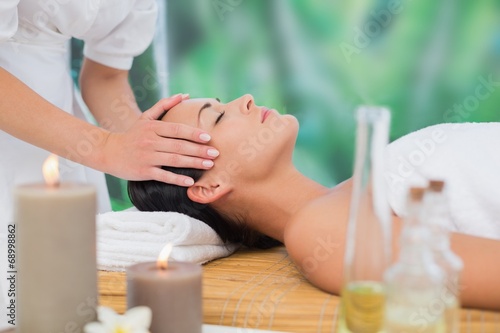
{"type": "Point", "coordinates": [467, 157]}
{"type": "Point", "coordinates": [128, 237]}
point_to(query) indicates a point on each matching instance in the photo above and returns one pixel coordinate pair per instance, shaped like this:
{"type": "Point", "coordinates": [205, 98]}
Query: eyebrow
{"type": "Point", "coordinates": [205, 106]}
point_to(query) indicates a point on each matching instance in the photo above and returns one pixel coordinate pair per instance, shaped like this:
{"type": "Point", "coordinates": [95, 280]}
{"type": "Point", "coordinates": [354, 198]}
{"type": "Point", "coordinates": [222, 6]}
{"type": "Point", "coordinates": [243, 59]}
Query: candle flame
{"type": "Point", "coordinates": [163, 257]}
{"type": "Point", "coordinates": [51, 170]}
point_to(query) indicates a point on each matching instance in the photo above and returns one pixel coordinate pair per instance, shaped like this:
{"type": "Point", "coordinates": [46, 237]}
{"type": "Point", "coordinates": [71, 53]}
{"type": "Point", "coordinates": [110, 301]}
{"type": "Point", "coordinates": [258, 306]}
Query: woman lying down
{"type": "Point", "coordinates": [254, 195]}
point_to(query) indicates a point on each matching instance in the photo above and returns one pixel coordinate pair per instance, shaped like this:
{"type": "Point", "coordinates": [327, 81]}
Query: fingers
{"type": "Point", "coordinates": [179, 161]}
{"type": "Point", "coordinates": [172, 144]}
{"type": "Point", "coordinates": [183, 147]}
{"type": "Point", "coordinates": [171, 178]}
{"type": "Point", "coordinates": [174, 130]}
{"type": "Point", "coordinates": [182, 161]}
{"type": "Point", "coordinates": [181, 131]}
{"type": "Point", "coordinates": [163, 105]}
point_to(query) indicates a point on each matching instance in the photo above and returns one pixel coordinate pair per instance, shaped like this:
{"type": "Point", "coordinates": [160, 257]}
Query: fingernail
{"type": "Point", "coordinates": [208, 163]}
{"type": "Point", "coordinates": [189, 182]}
{"type": "Point", "coordinates": [205, 137]}
{"type": "Point", "coordinates": [185, 96]}
{"type": "Point", "coordinates": [213, 152]}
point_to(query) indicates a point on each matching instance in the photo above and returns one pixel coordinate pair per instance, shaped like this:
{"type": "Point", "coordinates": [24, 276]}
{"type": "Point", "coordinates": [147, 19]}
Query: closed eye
{"type": "Point", "coordinates": [219, 117]}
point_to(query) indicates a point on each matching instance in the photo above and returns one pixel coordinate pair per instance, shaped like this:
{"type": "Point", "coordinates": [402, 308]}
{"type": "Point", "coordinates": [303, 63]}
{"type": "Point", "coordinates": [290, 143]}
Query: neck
{"type": "Point", "coordinates": [267, 206]}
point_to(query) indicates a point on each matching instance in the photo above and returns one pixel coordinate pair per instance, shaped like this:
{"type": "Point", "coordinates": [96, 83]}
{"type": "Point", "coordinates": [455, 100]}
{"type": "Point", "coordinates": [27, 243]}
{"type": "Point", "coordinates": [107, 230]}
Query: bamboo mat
{"type": "Point", "coordinates": [263, 289]}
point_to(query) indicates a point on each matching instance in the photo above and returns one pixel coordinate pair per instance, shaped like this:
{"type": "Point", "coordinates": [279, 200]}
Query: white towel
{"type": "Point", "coordinates": [467, 157]}
{"type": "Point", "coordinates": [129, 237]}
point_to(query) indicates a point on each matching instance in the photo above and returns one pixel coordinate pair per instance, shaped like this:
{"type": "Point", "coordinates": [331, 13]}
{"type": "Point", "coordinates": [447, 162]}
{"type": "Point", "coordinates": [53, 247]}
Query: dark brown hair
{"type": "Point", "coordinates": [158, 196]}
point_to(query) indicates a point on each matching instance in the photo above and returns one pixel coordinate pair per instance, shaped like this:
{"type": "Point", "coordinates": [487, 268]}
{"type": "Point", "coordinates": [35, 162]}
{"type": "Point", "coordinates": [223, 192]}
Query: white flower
{"type": "Point", "coordinates": [135, 320]}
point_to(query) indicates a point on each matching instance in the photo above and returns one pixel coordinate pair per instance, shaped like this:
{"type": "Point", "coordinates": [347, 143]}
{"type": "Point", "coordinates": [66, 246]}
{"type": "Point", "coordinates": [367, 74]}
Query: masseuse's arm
{"type": "Point", "coordinates": [316, 236]}
{"type": "Point", "coordinates": [108, 95]}
{"type": "Point", "coordinates": [134, 155]}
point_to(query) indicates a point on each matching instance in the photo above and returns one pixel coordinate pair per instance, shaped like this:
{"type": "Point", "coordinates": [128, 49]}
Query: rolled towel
{"type": "Point", "coordinates": [131, 236]}
{"type": "Point", "coordinates": [466, 157]}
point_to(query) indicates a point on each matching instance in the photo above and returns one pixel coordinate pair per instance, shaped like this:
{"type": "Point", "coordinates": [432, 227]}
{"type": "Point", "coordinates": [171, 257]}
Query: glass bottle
{"type": "Point", "coordinates": [414, 282]}
{"type": "Point", "coordinates": [437, 217]}
{"type": "Point", "coordinates": [367, 253]}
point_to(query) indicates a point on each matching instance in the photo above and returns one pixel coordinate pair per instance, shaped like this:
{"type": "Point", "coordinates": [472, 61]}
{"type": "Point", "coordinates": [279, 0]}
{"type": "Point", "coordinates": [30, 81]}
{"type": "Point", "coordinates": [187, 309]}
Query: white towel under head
{"type": "Point", "coordinates": [128, 237]}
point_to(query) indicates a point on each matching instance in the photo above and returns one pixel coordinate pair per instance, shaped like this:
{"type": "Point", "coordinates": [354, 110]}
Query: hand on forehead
{"type": "Point", "coordinates": [188, 111]}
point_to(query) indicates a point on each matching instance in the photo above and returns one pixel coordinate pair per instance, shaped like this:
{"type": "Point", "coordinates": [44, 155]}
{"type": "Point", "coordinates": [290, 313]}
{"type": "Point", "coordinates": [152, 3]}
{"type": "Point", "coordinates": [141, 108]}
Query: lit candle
{"type": "Point", "coordinates": [56, 259]}
{"type": "Point", "coordinates": [171, 289]}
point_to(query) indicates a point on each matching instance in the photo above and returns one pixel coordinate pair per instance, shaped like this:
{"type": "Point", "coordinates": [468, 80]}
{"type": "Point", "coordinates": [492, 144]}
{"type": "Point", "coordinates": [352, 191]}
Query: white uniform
{"type": "Point", "coordinates": [34, 47]}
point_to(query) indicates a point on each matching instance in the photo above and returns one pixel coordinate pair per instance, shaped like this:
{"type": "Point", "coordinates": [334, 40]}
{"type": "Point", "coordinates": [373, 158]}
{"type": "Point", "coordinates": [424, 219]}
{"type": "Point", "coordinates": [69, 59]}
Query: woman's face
{"type": "Point", "coordinates": [251, 139]}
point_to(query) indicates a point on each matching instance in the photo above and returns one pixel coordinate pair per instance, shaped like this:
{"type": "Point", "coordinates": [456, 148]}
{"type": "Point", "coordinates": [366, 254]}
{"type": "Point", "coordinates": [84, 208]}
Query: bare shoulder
{"type": "Point", "coordinates": [315, 238]}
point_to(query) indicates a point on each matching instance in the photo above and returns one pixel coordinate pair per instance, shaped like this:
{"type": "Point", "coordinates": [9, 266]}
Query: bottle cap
{"type": "Point", "coordinates": [416, 193]}
{"type": "Point", "coordinates": [436, 185]}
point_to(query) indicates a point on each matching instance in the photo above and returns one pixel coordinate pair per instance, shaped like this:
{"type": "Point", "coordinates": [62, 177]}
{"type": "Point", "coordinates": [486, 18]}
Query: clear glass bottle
{"type": "Point", "coordinates": [437, 217]}
{"type": "Point", "coordinates": [367, 253]}
{"type": "Point", "coordinates": [414, 282]}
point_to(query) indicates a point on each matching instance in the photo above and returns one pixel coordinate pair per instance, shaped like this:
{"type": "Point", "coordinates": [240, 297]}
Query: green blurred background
{"type": "Point", "coordinates": [319, 60]}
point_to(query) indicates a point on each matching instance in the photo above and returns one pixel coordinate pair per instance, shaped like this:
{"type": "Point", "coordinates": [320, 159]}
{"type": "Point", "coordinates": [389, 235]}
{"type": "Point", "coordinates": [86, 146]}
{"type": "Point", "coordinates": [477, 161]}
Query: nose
{"type": "Point", "coordinates": [247, 103]}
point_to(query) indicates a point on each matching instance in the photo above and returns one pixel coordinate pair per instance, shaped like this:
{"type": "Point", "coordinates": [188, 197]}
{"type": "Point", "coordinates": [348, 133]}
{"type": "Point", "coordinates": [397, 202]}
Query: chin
{"type": "Point", "coordinates": [292, 128]}
{"type": "Point", "coordinates": [286, 136]}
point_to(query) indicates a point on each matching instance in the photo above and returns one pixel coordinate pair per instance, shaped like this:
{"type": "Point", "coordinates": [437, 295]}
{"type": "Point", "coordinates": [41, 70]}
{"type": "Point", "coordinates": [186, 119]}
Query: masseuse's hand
{"type": "Point", "coordinates": [139, 153]}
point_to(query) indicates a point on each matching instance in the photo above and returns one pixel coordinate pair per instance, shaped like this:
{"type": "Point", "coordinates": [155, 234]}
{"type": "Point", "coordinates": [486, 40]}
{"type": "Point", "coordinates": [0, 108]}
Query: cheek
{"type": "Point", "coordinates": [253, 149]}
{"type": "Point", "coordinates": [264, 142]}
{"type": "Point", "coordinates": [231, 140]}
{"type": "Point", "coordinates": [231, 164]}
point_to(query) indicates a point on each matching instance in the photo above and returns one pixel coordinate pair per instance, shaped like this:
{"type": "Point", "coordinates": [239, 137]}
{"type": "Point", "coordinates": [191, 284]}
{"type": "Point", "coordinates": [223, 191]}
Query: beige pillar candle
{"type": "Point", "coordinates": [56, 260]}
{"type": "Point", "coordinates": [173, 293]}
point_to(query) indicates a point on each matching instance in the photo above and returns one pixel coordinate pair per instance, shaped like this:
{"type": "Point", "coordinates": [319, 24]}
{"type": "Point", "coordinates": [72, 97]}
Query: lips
{"type": "Point", "coordinates": [265, 113]}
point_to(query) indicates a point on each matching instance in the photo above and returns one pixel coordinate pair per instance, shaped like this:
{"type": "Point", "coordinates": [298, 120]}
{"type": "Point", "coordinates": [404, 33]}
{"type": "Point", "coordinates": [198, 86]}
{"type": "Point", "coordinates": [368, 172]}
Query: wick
{"type": "Point", "coordinates": [162, 265]}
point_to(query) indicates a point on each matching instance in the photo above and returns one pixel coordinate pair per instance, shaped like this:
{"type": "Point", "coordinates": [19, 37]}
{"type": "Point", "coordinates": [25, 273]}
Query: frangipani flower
{"type": "Point", "coordinates": [135, 320]}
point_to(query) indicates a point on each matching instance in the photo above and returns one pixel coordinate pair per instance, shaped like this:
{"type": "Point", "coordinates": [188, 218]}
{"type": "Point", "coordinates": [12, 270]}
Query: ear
{"type": "Point", "coordinates": [205, 193]}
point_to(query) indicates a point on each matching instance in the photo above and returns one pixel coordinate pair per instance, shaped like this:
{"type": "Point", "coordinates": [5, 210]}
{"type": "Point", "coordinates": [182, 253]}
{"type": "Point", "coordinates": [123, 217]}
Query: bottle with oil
{"type": "Point", "coordinates": [367, 253]}
{"type": "Point", "coordinates": [414, 283]}
{"type": "Point", "coordinates": [437, 217]}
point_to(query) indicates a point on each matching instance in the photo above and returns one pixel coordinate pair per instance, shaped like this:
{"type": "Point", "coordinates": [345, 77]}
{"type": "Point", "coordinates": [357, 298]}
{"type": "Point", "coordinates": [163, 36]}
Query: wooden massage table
{"type": "Point", "coordinates": [263, 289]}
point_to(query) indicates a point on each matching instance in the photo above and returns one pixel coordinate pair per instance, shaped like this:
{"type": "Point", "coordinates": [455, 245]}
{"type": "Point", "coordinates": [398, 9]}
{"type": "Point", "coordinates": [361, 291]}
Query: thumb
{"type": "Point", "coordinates": [157, 110]}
